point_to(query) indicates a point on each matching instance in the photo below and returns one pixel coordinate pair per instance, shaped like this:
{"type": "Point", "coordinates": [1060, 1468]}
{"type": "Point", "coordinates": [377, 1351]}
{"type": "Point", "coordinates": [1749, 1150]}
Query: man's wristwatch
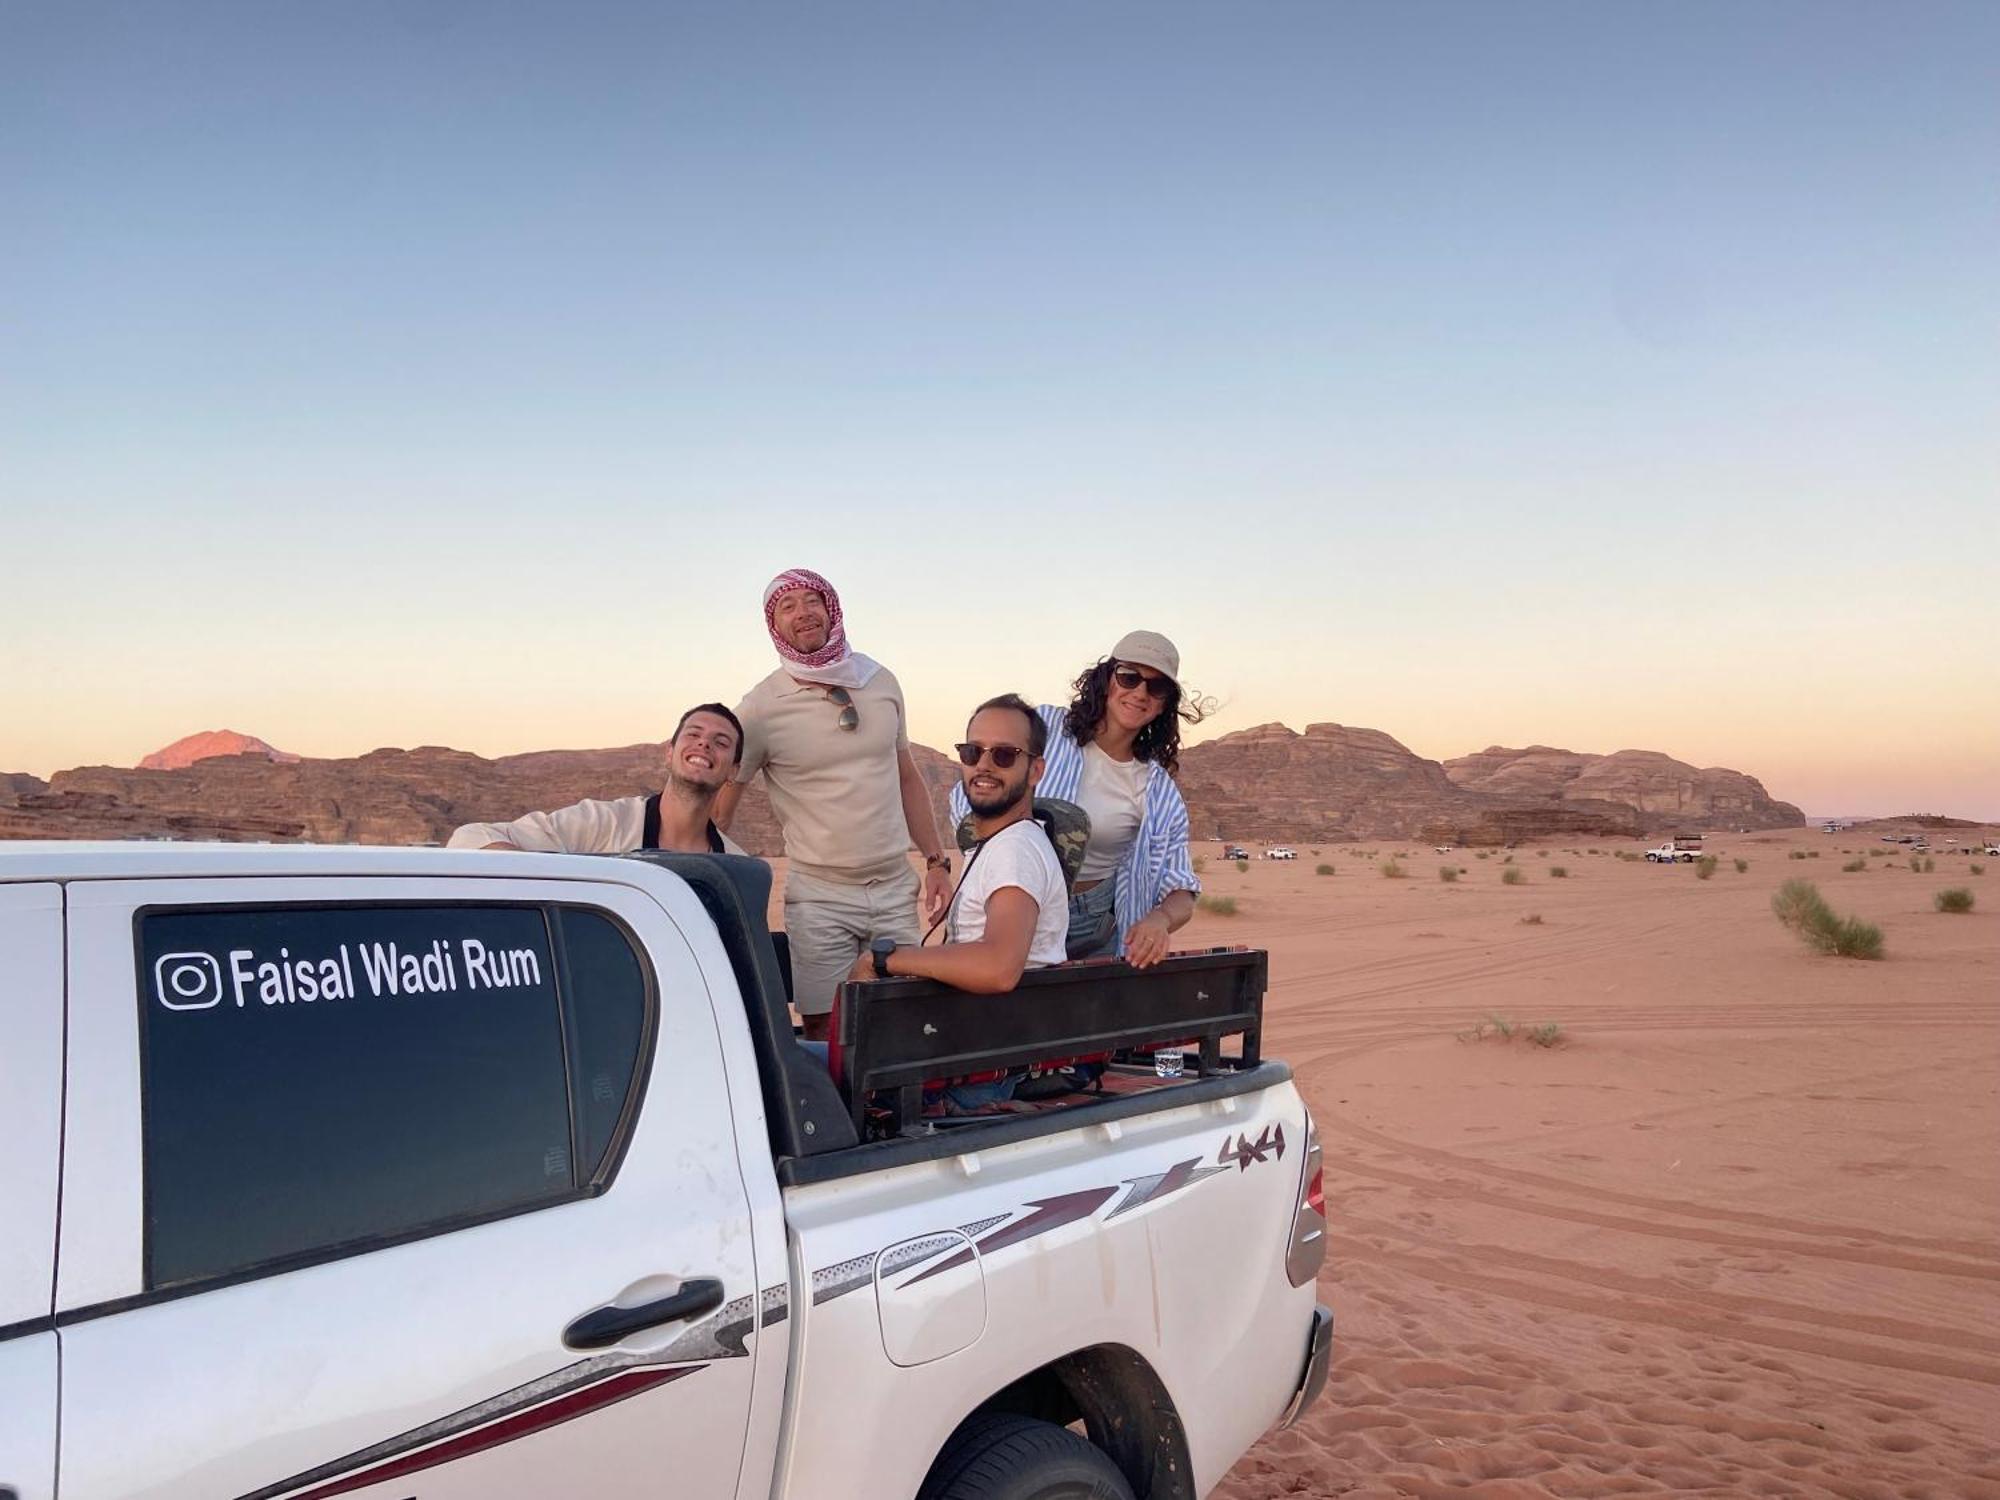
{"type": "Point", "coordinates": [882, 948]}
{"type": "Point", "coordinates": [938, 862]}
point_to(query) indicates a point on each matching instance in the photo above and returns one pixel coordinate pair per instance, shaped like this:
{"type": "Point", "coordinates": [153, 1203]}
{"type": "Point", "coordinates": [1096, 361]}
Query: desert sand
{"type": "Point", "coordinates": [1736, 1234]}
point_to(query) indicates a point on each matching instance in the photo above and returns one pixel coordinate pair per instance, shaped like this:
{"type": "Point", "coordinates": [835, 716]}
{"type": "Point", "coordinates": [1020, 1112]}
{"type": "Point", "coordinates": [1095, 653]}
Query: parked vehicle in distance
{"type": "Point", "coordinates": [1279, 851]}
{"type": "Point", "coordinates": [1441, 848]}
{"type": "Point", "coordinates": [1672, 853]}
{"type": "Point", "coordinates": [465, 1176]}
{"type": "Point", "coordinates": [1235, 851]}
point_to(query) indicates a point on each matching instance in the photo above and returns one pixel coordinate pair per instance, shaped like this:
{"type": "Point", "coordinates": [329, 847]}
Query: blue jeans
{"type": "Point", "coordinates": [1093, 921]}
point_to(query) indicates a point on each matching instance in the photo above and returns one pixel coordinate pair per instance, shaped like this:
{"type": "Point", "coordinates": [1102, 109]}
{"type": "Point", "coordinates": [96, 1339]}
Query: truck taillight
{"type": "Point", "coordinates": [1307, 1251]}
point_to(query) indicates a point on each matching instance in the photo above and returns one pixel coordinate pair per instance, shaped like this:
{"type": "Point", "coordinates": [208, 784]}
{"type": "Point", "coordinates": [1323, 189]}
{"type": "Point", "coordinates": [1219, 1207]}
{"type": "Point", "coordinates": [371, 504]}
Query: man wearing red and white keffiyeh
{"type": "Point", "coordinates": [827, 730]}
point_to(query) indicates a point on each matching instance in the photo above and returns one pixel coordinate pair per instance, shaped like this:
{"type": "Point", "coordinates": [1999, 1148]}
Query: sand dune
{"type": "Point", "coordinates": [1737, 1235]}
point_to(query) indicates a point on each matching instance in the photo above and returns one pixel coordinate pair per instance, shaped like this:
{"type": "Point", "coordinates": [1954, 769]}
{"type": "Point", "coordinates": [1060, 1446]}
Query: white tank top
{"type": "Point", "coordinates": [1113, 793]}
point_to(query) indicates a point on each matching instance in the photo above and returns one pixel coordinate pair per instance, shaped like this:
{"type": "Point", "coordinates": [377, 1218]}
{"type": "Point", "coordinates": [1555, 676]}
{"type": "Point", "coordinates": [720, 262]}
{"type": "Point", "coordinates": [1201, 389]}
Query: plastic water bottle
{"type": "Point", "coordinates": [1169, 1062]}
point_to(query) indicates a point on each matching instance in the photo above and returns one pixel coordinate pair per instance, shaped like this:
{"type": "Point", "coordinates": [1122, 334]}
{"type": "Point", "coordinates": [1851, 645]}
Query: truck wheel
{"type": "Point", "coordinates": [1002, 1457]}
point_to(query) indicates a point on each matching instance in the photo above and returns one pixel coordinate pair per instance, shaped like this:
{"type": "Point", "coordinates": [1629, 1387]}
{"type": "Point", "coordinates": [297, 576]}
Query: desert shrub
{"type": "Point", "coordinates": [1484, 854]}
{"type": "Point", "coordinates": [1742, 865]}
{"type": "Point", "coordinates": [1544, 1034]}
{"type": "Point", "coordinates": [1852, 865]}
{"type": "Point", "coordinates": [1878, 853]}
{"type": "Point", "coordinates": [1704, 868]}
{"type": "Point", "coordinates": [1322, 869]}
{"type": "Point", "coordinates": [1447, 873]}
{"type": "Point", "coordinates": [1977, 869]}
{"type": "Point", "coordinates": [1558, 872]}
{"type": "Point", "coordinates": [1541, 854]}
{"type": "Point", "coordinates": [1200, 863]}
{"type": "Point", "coordinates": [1220, 906]}
{"type": "Point", "coordinates": [1850, 937]}
{"type": "Point", "coordinates": [1796, 854]}
{"type": "Point", "coordinates": [1929, 864]}
{"type": "Point", "coordinates": [1508, 860]}
{"type": "Point", "coordinates": [1812, 854]}
{"type": "Point", "coordinates": [1957, 899]}
{"type": "Point", "coordinates": [1242, 867]}
{"type": "Point", "coordinates": [1392, 871]}
{"type": "Point", "coordinates": [1315, 854]}
{"type": "Point", "coordinates": [1799, 906]}
{"type": "Point", "coordinates": [1513, 877]}
{"type": "Point", "coordinates": [1532, 919]}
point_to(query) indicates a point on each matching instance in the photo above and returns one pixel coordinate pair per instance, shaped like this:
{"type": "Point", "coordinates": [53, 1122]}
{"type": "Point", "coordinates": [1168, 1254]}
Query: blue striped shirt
{"type": "Point", "coordinates": [1157, 864]}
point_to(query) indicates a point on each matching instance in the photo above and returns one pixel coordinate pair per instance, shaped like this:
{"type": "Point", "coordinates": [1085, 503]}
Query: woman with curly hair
{"type": "Point", "coordinates": [1113, 751]}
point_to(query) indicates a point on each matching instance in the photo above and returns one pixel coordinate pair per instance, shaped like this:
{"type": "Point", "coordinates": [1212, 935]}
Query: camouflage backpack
{"type": "Point", "coordinates": [1066, 824]}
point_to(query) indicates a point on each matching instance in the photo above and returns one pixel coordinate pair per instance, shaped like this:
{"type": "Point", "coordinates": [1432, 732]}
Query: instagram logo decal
{"type": "Point", "coordinates": [187, 981]}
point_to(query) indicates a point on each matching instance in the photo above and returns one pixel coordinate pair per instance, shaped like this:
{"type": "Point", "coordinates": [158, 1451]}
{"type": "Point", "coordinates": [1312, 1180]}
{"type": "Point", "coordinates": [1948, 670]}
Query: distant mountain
{"type": "Point", "coordinates": [1331, 782]}
{"type": "Point", "coordinates": [207, 745]}
{"type": "Point", "coordinates": [1664, 792]}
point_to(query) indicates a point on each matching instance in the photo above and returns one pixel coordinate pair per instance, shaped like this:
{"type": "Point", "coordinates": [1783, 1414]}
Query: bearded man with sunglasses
{"type": "Point", "coordinates": [1010, 911]}
{"type": "Point", "coordinates": [828, 732]}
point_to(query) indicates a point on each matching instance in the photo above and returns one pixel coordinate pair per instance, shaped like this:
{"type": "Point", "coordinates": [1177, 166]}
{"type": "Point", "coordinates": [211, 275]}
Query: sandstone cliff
{"type": "Point", "coordinates": [1664, 792]}
{"type": "Point", "coordinates": [384, 797]}
{"type": "Point", "coordinates": [1267, 783]}
{"type": "Point", "coordinates": [1337, 782]}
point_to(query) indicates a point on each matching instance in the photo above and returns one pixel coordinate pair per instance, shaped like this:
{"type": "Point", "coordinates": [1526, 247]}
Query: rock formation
{"type": "Point", "coordinates": [384, 797]}
{"type": "Point", "coordinates": [1664, 792]}
{"type": "Point", "coordinates": [207, 745]}
{"type": "Point", "coordinates": [15, 785]}
{"type": "Point", "coordinates": [1331, 782]}
{"type": "Point", "coordinates": [1336, 782]}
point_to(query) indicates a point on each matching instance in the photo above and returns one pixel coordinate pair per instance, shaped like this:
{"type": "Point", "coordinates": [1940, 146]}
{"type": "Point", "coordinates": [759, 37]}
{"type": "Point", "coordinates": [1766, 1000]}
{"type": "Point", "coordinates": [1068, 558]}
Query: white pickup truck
{"type": "Point", "coordinates": [427, 1175]}
{"type": "Point", "coordinates": [1680, 850]}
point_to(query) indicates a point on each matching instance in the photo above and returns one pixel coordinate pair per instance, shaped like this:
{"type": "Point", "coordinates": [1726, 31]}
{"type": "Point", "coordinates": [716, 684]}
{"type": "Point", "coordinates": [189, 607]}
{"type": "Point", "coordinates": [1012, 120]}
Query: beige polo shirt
{"type": "Point", "coordinates": [836, 791]}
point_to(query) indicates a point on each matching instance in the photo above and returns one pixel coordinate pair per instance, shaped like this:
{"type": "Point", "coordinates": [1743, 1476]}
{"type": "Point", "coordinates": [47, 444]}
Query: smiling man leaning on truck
{"type": "Point", "coordinates": [396, 1173]}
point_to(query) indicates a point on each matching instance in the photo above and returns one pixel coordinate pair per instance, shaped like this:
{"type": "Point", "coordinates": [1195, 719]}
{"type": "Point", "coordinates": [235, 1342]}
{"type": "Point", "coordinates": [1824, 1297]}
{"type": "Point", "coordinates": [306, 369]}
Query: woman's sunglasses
{"type": "Point", "coordinates": [1004, 756]}
{"type": "Point", "coordinates": [850, 716]}
{"type": "Point", "coordinates": [1130, 677]}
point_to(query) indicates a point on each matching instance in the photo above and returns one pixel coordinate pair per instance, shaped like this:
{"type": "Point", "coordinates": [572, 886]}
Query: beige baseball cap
{"type": "Point", "coordinates": [1148, 648]}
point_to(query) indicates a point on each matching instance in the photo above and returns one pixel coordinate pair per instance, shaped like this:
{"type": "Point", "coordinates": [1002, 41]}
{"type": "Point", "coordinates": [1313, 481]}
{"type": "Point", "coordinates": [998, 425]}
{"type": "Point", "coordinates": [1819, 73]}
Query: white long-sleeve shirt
{"type": "Point", "coordinates": [592, 826]}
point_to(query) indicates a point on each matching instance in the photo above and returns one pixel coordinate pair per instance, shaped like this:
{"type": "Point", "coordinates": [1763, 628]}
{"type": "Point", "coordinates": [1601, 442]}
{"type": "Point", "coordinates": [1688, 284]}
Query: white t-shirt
{"type": "Point", "coordinates": [1018, 855]}
{"type": "Point", "coordinates": [1113, 793]}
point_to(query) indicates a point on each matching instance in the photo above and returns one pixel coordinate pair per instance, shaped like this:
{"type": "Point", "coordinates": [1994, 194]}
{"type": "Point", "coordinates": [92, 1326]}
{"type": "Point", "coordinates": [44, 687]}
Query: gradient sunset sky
{"type": "Point", "coordinates": [1594, 374]}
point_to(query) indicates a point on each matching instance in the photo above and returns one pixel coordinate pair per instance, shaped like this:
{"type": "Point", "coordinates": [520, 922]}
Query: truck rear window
{"type": "Point", "coordinates": [323, 1079]}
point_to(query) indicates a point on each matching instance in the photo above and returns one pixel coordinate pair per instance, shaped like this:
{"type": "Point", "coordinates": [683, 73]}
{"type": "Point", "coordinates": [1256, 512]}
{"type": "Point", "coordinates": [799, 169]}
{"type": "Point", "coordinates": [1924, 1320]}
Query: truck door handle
{"type": "Point", "coordinates": [606, 1325]}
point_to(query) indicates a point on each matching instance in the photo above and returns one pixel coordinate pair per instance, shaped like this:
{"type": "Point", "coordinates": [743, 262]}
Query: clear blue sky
{"type": "Point", "coordinates": [1597, 373]}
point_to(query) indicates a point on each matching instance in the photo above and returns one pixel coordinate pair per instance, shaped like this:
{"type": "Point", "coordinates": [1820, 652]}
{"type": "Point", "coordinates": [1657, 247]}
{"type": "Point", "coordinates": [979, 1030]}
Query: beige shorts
{"type": "Point", "coordinates": [830, 924]}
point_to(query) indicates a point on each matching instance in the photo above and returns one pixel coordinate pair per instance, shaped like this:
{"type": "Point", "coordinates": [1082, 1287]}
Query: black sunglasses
{"type": "Point", "coordinates": [1130, 677]}
{"type": "Point", "coordinates": [850, 716]}
{"type": "Point", "coordinates": [1004, 756]}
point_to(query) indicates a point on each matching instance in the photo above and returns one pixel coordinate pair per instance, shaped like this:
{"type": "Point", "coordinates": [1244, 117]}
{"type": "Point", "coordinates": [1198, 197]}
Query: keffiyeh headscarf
{"type": "Point", "coordinates": [835, 664]}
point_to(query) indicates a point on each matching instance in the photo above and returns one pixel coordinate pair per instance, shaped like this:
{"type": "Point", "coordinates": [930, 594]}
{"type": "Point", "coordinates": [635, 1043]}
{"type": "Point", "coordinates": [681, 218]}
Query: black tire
{"type": "Point", "coordinates": [1002, 1457]}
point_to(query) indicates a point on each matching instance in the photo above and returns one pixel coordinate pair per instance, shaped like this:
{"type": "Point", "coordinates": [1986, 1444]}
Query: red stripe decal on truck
{"type": "Point", "coordinates": [535, 1419]}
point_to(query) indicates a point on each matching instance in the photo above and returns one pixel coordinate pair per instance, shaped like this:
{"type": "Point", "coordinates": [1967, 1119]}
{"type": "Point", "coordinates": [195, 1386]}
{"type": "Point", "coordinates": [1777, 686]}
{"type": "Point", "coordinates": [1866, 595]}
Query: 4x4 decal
{"type": "Point", "coordinates": [1270, 1139]}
